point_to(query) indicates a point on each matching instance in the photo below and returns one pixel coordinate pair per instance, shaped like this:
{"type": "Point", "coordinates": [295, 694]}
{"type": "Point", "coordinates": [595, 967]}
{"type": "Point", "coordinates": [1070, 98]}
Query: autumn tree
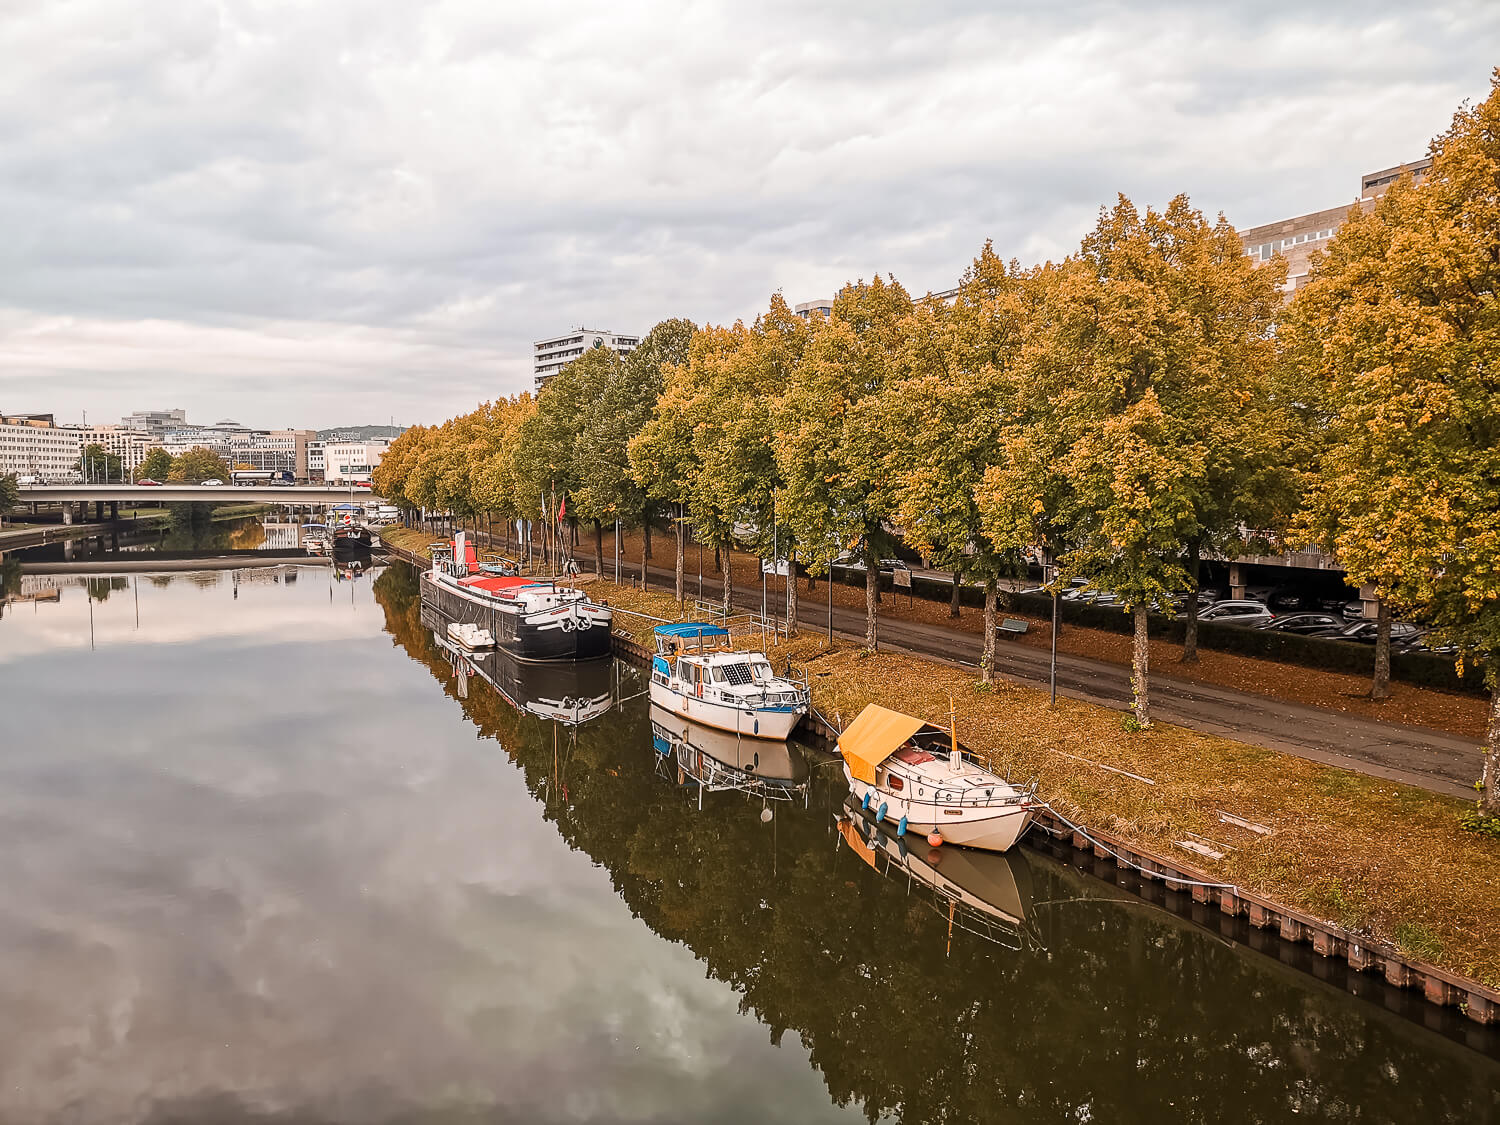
{"type": "Point", "coordinates": [606, 488]}
{"type": "Point", "coordinates": [1401, 325]}
{"type": "Point", "coordinates": [831, 430]}
{"type": "Point", "coordinates": [667, 455]}
{"type": "Point", "coordinates": [155, 465]}
{"type": "Point", "coordinates": [198, 464]}
{"type": "Point", "coordinates": [391, 478]}
{"type": "Point", "coordinates": [1144, 350]}
{"type": "Point", "coordinates": [947, 424]}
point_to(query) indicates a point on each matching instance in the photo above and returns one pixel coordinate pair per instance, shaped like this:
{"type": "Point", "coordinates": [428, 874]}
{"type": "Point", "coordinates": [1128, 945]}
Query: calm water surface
{"type": "Point", "coordinates": [262, 863]}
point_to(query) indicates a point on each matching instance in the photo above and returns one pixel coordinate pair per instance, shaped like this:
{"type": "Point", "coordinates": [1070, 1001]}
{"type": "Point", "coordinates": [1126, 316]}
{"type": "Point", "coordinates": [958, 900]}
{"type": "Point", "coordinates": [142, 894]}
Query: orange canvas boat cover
{"type": "Point", "coordinates": [856, 841]}
{"type": "Point", "coordinates": [873, 737]}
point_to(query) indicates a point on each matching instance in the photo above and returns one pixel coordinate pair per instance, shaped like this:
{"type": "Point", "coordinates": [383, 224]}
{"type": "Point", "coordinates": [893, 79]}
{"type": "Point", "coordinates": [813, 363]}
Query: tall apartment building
{"type": "Point", "coordinates": [1295, 239]}
{"type": "Point", "coordinates": [550, 356]}
{"type": "Point", "coordinates": [37, 450]}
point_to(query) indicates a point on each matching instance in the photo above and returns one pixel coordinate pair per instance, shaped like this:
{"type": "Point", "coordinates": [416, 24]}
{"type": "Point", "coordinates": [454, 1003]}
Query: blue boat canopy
{"type": "Point", "coordinates": [691, 629]}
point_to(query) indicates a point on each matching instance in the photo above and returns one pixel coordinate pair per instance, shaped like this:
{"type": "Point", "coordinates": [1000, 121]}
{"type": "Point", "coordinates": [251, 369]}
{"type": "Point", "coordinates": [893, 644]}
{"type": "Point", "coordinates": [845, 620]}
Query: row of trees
{"type": "Point", "coordinates": [1148, 399]}
{"type": "Point", "coordinates": [192, 465]}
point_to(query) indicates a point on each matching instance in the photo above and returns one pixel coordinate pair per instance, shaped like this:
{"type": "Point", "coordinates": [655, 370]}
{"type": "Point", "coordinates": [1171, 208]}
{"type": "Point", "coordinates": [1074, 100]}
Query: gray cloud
{"type": "Point", "coordinates": [305, 214]}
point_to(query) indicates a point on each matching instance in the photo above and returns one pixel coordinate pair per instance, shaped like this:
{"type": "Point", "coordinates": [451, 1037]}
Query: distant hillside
{"type": "Point", "coordinates": [360, 433]}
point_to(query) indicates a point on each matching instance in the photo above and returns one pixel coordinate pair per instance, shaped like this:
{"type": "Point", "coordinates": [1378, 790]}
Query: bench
{"type": "Point", "coordinates": [1014, 625]}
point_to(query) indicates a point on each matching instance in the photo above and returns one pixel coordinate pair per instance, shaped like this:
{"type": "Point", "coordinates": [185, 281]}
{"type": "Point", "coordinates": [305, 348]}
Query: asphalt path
{"type": "Point", "coordinates": [1435, 760]}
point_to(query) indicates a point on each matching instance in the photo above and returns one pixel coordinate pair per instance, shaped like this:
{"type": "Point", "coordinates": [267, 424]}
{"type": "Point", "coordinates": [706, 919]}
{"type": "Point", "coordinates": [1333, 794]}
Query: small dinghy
{"type": "Point", "coordinates": [470, 636]}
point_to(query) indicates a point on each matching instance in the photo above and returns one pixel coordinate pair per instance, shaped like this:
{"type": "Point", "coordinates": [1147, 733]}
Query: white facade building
{"type": "Point", "coordinates": [550, 356]}
{"type": "Point", "coordinates": [315, 462]}
{"type": "Point", "coordinates": [129, 445]}
{"type": "Point", "coordinates": [345, 461]}
{"type": "Point", "coordinates": [41, 453]}
{"type": "Point", "coordinates": [155, 422]}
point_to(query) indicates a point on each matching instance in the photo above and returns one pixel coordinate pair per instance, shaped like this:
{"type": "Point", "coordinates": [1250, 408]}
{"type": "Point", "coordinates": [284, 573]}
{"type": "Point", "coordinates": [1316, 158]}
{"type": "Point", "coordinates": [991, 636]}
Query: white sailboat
{"type": "Point", "coordinates": [914, 775]}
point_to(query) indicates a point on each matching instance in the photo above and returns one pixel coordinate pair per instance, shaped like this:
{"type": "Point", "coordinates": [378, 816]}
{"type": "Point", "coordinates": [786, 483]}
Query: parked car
{"type": "Point", "coordinates": [212, 482]}
{"type": "Point", "coordinates": [1241, 611]}
{"type": "Point", "coordinates": [1289, 600]}
{"type": "Point", "coordinates": [1403, 633]}
{"type": "Point", "coordinates": [147, 482]}
{"type": "Point", "coordinates": [1304, 624]}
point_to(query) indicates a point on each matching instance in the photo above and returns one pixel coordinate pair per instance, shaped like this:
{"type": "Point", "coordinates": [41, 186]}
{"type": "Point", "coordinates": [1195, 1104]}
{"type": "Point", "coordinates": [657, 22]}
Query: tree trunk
{"type": "Point", "coordinates": [872, 598]}
{"type": "Point", "coordinates": [1489, 779]}
{"type": "Point", "coordinates": [987, 661]}
{"type": "Point", "coordinates": [599, 548]}
{"type": "Point", "coordinates": [1380, 686]}
{"type": "Point", "coordinates": [645, 541]}
{"type": "Point", "coordinates": [681, 559]}
{"type": "Point", "coordinates": [1140, 659]}
{"type": "Point", "coordinates": [791, 593]}
{"type": "Point", "coordinates": [728, 582]}
{"type": "Point", "coordinates": [1195, 581]}
{"type": "Point", "coordinates": [953, 606]}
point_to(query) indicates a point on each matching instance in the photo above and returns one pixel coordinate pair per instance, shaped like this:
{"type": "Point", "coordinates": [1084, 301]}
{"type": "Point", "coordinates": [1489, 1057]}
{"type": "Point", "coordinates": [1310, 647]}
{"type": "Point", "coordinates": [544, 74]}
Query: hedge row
{"type": "Point", "coordinates": [1423, 669]}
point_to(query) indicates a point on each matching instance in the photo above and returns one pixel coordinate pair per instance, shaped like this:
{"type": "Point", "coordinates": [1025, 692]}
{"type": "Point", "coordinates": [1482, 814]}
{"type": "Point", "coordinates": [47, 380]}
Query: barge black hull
{"type": "Point", "coordinates": [516, 636]}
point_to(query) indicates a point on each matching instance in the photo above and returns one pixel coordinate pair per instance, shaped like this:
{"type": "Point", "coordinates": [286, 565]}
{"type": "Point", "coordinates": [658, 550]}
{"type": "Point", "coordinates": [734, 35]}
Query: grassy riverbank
{"type": "Point", "coordinates": [1373, 856]}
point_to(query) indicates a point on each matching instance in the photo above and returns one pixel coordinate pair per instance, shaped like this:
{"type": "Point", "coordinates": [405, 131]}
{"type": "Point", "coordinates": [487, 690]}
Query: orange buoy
{"type": "Point", "coordinates": [935, 838]}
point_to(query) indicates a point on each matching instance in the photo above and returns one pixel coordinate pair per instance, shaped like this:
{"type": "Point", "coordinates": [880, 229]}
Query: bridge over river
{"type": "Point", "coordinates": [135, 494]}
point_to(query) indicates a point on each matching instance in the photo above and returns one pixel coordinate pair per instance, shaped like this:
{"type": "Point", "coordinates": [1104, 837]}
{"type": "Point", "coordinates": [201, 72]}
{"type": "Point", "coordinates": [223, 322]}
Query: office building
{"type": "Point", "coordinates": [155, 422]}
{"type": "Point", "coordinates": [315, 462]}
{"type": "Point", "coordinates": [1294, 240]}
{"type": "Point", "coordinates": [37, 452]}
{"type": "Point", "coordinates": [345, 461]}
{"type": "Point", "coordinates": [129, 445]}
{"type": "Point", "coordinates": [807, 309]}
{"type": "Point", "coordinates": [279, 450]}
{"type": "Point", "coordinates": [552, 355]}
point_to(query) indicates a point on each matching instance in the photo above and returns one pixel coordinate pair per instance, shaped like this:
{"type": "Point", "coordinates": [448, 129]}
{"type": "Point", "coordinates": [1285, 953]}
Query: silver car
{"type": "Point", "coordinates": [1235, 612]}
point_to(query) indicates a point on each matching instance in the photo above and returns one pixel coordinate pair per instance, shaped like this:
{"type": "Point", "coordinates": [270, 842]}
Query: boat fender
{"type": "Point", "coordinates": [865, 804]}
{"type": "Point", "coordinates": [901, 828]}
{"type": "Point", "coordinates": [757, 726]}
{"type": "Point", "coordinates": [935, 838]}
{"type": "Point", "coordinates": [881, 814]}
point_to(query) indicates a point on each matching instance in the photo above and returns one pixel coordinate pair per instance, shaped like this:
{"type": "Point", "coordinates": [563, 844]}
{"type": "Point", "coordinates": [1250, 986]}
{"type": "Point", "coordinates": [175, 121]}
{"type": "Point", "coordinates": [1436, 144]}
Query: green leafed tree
{"type": "Point", "coordinates": [1400, 326]}
{"type": "Point", "coordinates": [156, 465]}
{"type": "Point", "coordinates": [606, 488]}
{"type": "Point", "coordinates": [10, 495]}
{"type": "Point", "coordinates": [98, 465]}
{"type": "Point", "coordinates": [196, 465]}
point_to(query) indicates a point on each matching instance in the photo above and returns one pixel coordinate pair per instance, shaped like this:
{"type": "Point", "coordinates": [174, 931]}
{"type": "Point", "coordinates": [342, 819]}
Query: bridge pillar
{"type": "Point", "coordinates": [67, 513]}
{"type": "Point", "coordinates": [114, 509]}
{"type": "Point", "coordinates": [98, 511]}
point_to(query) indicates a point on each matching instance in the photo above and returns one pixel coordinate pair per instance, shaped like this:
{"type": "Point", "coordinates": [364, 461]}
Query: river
{"type": "Point", "coordinates": [269, 859]}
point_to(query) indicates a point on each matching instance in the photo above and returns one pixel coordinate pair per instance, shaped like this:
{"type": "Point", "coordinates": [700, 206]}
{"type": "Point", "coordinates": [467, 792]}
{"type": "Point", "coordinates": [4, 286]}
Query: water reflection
{"type": "Point", "coordinates": [262, 864]}
{"type": "Point", "coordinates": [714, 761]}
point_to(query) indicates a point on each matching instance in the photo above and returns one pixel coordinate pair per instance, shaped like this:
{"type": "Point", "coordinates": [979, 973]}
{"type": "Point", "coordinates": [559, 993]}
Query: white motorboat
{"type": "Point", "coordinates": [470, 636]}
{"type": "Point", "coordinates": [716, 760]}
{"type": "Point", "coordinates": [698, 675]}
{"type": "Point", "coordinates": [914, 775]}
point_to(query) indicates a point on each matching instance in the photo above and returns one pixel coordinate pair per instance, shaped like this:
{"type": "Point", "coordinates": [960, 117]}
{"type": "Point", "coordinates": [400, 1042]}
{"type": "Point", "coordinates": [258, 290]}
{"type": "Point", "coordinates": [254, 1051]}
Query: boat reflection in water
{"type": "Point", "coordinates": [983, 893]}
{"type": "Point", "coordinates": [715, 760]}
{"type": "Point", "coordinates": [570, 694]}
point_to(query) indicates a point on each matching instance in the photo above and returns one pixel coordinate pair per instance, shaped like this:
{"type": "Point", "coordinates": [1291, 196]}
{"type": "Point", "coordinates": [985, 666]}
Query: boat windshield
{"type": "Point", "coordinates": [761, 671]}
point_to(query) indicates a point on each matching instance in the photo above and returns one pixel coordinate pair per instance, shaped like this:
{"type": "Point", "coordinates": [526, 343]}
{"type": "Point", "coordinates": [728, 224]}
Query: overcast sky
{"type": "Point", "coordinates": [329, 212]}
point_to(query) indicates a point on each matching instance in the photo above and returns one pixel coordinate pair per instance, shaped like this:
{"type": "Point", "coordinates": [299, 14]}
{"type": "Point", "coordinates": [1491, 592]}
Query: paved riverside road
{"type": "Point", "coordinates": [1443, 763]}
